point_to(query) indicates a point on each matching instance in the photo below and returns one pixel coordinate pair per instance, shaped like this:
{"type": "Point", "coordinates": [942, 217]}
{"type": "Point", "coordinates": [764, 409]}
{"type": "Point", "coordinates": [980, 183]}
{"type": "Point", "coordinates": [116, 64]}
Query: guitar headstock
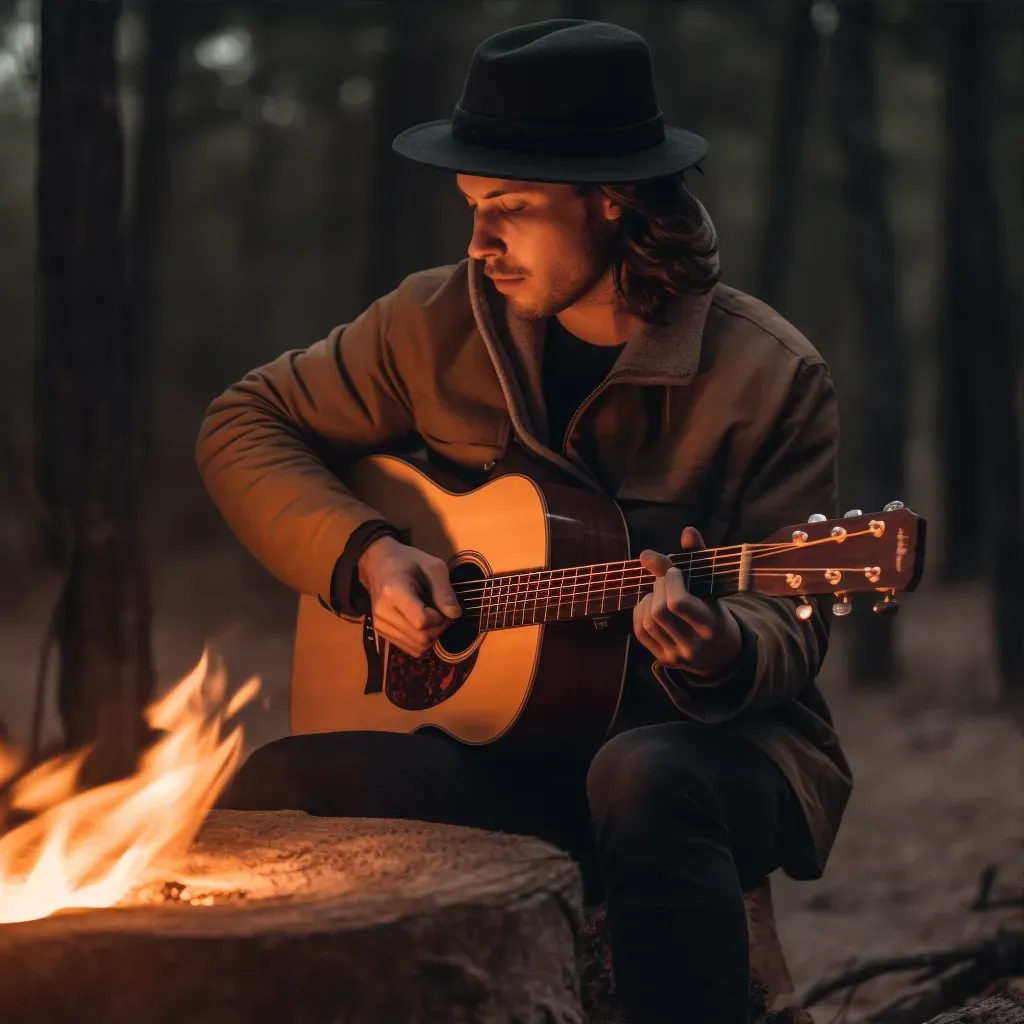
{"type": "Point", "coordinates": [881, 552]}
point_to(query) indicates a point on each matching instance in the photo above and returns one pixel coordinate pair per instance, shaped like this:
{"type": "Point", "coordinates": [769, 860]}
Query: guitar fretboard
{"type": "Point", "coordinates": [592, 591]}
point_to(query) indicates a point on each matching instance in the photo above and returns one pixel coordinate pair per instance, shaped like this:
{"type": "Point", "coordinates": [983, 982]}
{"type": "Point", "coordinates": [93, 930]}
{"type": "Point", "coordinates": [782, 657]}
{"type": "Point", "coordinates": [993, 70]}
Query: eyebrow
{"type": "Point", "coordinates": [494, 193]}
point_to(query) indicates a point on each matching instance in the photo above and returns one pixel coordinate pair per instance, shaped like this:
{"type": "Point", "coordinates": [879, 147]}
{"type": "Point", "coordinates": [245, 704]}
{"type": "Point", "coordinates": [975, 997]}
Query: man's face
{"type": "Point", "coordinates": [543, 246]}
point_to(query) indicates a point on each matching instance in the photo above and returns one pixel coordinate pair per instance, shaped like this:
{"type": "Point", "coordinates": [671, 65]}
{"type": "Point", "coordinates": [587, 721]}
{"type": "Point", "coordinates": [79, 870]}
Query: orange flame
{"type": "Point", "coordinates": [91, 848]}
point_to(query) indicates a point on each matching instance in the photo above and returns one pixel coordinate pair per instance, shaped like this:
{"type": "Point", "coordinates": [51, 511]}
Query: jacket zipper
{"type": "Point", "coordinates": [580, 409]}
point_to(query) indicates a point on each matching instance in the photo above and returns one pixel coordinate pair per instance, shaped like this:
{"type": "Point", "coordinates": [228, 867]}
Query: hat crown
{"type": "Point", "coordinates": [582, 74]}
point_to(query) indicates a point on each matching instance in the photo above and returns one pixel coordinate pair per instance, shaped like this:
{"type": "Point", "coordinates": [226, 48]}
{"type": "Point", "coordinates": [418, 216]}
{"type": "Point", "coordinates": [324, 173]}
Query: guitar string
{"type": "Point", "coordinates": [718, 567]}
{"type": "Point", "coordinates": [702, 554]}
{"type": "Point", "coordinates": [515, 605]}
{"type": "Point", "coordinates": [706, 555]}
{"type": "Point", "coordinates": [508, 602]}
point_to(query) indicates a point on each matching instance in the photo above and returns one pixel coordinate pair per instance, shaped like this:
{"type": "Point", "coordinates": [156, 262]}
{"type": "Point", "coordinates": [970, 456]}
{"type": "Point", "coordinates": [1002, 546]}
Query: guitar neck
{"type": "Point", "coordinates": [592, 591]}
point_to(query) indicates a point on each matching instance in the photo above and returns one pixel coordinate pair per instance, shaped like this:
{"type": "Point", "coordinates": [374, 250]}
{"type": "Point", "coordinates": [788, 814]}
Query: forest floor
{"type": "Point", "coordinates": [938, 767]}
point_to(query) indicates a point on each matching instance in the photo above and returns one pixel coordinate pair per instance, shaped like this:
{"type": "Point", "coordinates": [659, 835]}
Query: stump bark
{"type": "Point", "coordinates": [1005, 1008]}
{"type": "Point", "coordinates": [311, 920]}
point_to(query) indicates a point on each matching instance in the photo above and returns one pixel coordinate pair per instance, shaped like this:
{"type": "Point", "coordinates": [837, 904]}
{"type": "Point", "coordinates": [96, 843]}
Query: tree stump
{"type": "Point", "coordinates": [1004, 1008]}
{"type": "Point", "coordinates": [310, 920]}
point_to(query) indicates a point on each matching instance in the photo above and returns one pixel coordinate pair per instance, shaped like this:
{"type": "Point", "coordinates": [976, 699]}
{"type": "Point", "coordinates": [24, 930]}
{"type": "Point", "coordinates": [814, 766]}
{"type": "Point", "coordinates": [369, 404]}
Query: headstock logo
{"type": "Point", "coordinates": [901, 549]}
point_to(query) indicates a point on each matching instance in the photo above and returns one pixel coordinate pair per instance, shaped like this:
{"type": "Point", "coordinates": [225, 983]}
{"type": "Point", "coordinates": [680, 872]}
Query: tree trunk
{"type": "Point", "coordinates": [979, 424]}
{"type": "Point", "coordinates": [790, 127]}
{"type": "Point", "coordinates": [366, 921]}
{"type": "Point", "coordinates": [164, 31]}
{"type": "Point", "coordinates": [88, 457]}
{"type": "Point", "coordinates": [874, 462]}
{"type": "Point", "coordinates": [403, 226]}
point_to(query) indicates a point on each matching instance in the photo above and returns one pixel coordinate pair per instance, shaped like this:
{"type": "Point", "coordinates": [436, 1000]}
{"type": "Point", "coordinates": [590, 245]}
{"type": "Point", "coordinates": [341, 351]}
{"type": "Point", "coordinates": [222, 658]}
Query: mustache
{"type": "Point", "coordinates": [496, 271]}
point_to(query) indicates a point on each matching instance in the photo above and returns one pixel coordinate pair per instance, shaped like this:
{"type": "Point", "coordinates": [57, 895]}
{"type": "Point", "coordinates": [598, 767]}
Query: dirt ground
{"type": "Point", "coordinates": [939, 769]}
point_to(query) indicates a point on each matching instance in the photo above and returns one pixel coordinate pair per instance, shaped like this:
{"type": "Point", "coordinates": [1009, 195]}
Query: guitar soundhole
{"type": "Point", "coordinates": [459, 636]}
{"type": "Point", "coordinates": [416, 684]}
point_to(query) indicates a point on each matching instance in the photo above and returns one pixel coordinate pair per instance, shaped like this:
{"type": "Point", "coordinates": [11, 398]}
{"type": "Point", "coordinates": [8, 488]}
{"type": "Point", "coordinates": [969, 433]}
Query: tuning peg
{"type": "Point", "coordinates": [852, 513]}
{"type": "Point", "coordinates": [892, 506]}
{"type": "Point", "coordinates": [887, 606]}
{"type": "Point", "coordinates": [804, 610]}
{"type": "Point", "coordinates": [842, 607]}
{"type": "Point", "coordinates": [816, 518]}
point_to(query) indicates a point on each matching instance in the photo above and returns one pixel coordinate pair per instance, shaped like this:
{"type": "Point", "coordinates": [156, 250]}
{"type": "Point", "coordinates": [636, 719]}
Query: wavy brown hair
{"type": "Point", "coordinates": [663, 245]}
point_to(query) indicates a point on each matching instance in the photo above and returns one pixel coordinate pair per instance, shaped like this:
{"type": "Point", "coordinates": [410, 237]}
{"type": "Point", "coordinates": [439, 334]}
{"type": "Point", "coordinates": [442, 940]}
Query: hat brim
{"type": "Point", "coordinates": [434, 144]}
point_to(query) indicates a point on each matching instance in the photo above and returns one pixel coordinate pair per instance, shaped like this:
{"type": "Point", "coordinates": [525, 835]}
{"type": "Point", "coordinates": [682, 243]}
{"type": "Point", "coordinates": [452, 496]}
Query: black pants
{"type": "Point", "coordinates": [671, 824]}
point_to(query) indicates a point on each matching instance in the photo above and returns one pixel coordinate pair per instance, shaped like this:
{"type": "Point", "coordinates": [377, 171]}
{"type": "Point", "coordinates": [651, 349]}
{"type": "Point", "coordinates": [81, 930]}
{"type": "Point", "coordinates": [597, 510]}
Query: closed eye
{"type": "Point", "coordinates": [502, 209]}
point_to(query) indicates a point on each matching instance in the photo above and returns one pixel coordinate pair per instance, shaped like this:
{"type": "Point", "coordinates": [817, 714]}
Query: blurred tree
{"type": "Point", "coordinates": [980, 429]}
{"type": "Point", "coordinates": [164, 24]}
{"type": "Point", "coordinates": [88, 456]}
{"type": "Point", "coordinates": [874, 470]}
{"type": "Point", "coordinates": [584, 9]}
{"type": "Point", "coordinates": [791, 114]}
{"type": "Point", "coordinates": [404, 227]}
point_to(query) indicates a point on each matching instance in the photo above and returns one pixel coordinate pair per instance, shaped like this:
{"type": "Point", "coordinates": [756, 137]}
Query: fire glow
{"type": "Point", "coordinates": [92, 848]}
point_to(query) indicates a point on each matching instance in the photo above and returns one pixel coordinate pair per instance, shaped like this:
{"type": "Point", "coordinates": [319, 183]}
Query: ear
{"type": "Point", "coordinates": [610, 210]}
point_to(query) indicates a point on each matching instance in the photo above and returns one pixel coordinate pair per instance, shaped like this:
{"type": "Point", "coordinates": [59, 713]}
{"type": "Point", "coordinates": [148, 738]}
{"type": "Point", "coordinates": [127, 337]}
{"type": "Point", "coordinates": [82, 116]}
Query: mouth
{"type": "Point", "coordinates": [505, 282]}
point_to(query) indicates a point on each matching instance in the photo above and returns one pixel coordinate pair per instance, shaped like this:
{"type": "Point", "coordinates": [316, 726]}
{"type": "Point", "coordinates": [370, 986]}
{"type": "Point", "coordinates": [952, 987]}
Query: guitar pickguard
{"type": "Point", "coordinates": [416, 684]}
{"type": "Point", "coordinates": [375, 649]}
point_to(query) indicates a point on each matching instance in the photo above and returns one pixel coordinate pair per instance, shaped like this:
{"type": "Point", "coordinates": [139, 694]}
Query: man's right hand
{"type": "Point", "coordinates": [410, 594]}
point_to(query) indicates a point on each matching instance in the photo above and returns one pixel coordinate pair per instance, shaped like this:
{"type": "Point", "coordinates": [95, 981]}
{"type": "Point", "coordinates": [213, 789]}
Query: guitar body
{"type": "Point", "coordinates": [539, 686]}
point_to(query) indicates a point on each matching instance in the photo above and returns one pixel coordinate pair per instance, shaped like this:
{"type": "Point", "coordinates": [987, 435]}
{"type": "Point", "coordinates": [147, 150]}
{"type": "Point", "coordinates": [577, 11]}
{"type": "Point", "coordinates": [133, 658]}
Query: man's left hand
{"type": "Point", "coordinates": [680, 629]}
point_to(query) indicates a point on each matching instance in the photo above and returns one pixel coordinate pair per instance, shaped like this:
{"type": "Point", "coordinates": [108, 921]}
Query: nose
{"type": "Point", "coordinates": [484, 243]}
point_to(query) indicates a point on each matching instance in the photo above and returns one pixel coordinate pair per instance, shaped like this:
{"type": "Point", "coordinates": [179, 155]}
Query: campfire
{"type": "Point", "coordinates": [94, 847]}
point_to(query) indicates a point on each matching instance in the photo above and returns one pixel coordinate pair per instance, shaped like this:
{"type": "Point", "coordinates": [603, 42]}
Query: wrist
{"type": "Point", "coordinates": [374, 552]}
{"type": "Point", "coordinates": [726, 655]}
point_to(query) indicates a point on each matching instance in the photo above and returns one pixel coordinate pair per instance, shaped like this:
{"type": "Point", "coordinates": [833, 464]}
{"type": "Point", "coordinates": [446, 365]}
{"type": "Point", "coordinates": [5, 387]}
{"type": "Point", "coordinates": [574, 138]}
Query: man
{"type": "Point", "coordinates": [588, 333]}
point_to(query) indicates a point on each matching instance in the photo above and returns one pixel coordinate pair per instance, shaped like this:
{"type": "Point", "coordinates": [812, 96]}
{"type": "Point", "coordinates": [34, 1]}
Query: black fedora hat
{"type": "Point", "coordinates": [564, 100]}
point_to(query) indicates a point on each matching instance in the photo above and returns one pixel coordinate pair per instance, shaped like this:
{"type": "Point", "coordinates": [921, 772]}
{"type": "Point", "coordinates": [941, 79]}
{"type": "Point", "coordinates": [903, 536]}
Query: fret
{"type": "Point", "coordinates": [517, 596]}
{"type": "Point", "coordinates": [552, 595]}
{"type": "Point", "coordinates": [509, 618]}
{"type": "Point", "coordinates": [507, 592]}
{"type": "Point", "coordinates": [485, 607]}
{"type": "Point", "coordinates": [538, 598]}
{"type": "Point", "coordinates": [561, 588]}
{"type": "Point", "coordinates": [711, 585]}
{"type": "Point", "coordinates": [514, 587]}
{"type": "Point", "coordinates": [528, 594]}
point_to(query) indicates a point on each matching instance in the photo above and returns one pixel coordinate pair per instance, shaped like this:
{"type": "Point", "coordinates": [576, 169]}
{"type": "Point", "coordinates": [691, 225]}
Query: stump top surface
{"type": "Point", "coordinates": [285, 870]}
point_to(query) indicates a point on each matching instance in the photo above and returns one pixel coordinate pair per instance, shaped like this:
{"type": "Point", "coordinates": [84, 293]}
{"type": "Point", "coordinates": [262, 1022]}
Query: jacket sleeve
{"type": "Point", "coordinates": [266, 445]}
{"type": "Point", "coordinates": [794, 475]}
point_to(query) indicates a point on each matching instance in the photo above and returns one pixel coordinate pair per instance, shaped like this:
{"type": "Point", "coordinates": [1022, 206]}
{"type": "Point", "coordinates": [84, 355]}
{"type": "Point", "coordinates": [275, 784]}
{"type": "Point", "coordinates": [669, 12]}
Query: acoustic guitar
{"type": "Point", "coordinates": [545, 579]}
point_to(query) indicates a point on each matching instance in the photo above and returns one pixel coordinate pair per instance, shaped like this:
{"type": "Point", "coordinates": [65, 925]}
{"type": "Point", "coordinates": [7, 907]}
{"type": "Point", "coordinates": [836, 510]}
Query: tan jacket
{"type": "Point", "coordinates": [725, 420]}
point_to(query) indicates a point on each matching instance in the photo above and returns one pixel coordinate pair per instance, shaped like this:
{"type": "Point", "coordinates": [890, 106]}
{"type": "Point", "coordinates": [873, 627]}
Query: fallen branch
{"type": "Point", "coordinates": [995, 957]}
{"type": "Point", "coordinates": [943, 993]}
{"type": "Point", "coordinates": [983, 900]}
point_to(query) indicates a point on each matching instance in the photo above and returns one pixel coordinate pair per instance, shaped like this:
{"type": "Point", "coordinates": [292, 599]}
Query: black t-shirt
{"type": "Point", "coordinates": [572, 369]}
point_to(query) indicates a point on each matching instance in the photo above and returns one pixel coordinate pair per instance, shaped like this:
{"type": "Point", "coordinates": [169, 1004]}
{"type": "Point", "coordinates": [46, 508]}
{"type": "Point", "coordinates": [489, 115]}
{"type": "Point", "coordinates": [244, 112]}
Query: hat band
{"type": "Point", "coordinates": [555, 139]}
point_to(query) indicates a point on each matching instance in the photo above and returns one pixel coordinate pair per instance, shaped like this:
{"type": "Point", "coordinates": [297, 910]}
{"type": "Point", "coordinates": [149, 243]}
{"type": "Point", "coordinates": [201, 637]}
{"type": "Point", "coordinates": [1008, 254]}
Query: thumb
{"type": "Point", "coordinates": [691, 539]}
{"type": "Point", "coordinates": [441, 594]}
{"type": "Point", "coordinates": [654, 562]}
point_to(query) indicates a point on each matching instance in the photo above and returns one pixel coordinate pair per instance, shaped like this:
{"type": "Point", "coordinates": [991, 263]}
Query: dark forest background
{"type": "Point", "coordinates": [864, 176]}
{"type": "Point", "coordinates": [189, 188]}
